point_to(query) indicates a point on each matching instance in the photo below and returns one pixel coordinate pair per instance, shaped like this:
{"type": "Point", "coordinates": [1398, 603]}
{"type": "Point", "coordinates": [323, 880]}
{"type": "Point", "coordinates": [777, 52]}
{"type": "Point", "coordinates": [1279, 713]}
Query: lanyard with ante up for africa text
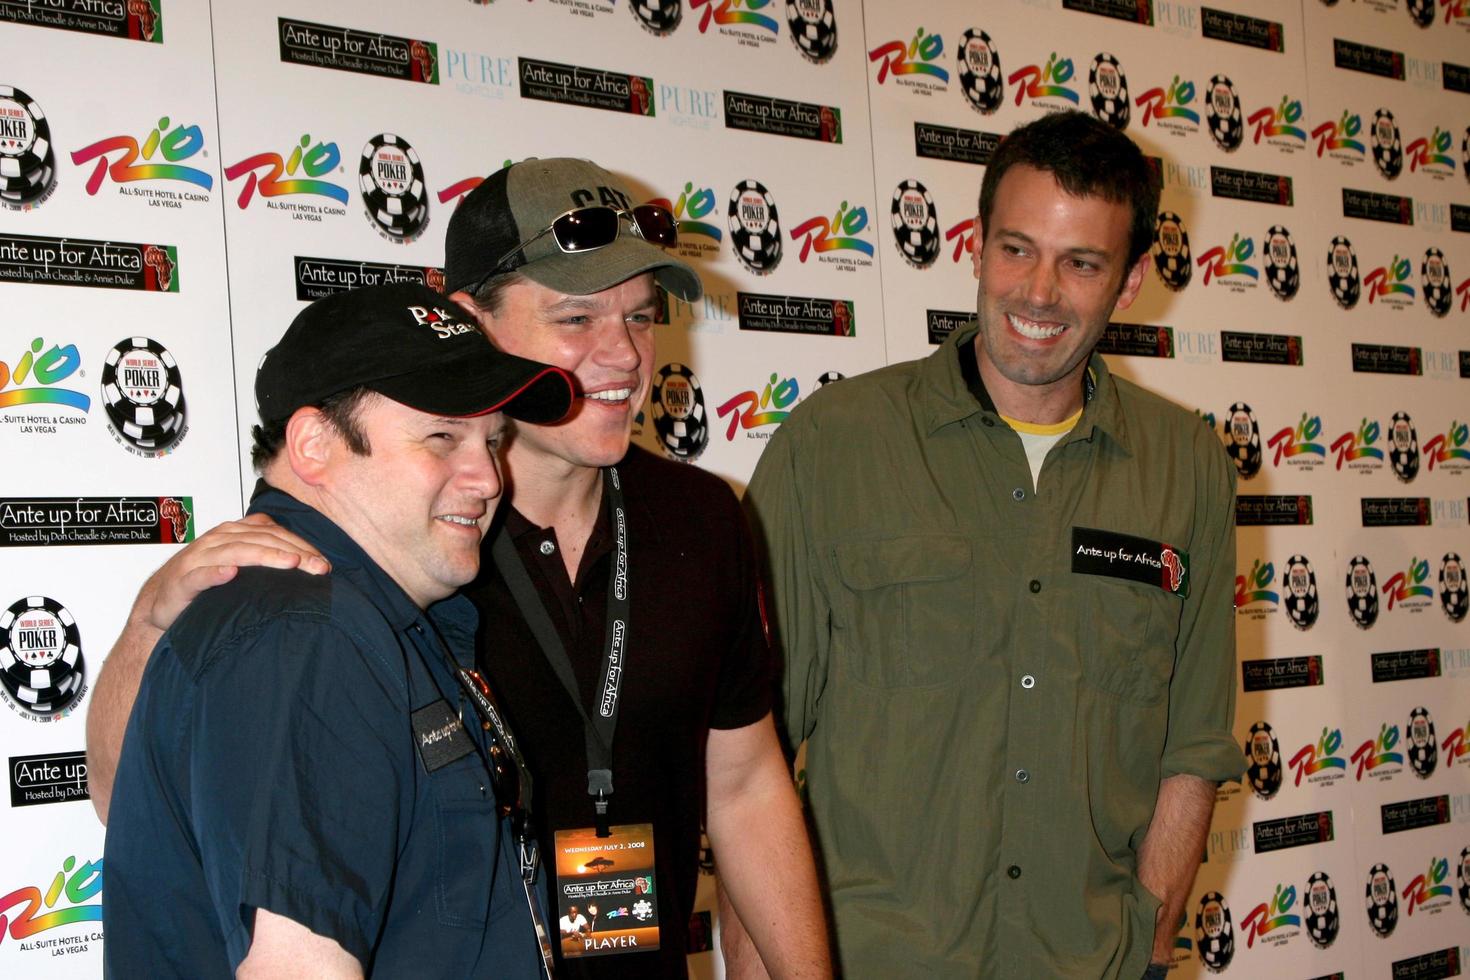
{"type": "Point", "coordinates": [598, 729]}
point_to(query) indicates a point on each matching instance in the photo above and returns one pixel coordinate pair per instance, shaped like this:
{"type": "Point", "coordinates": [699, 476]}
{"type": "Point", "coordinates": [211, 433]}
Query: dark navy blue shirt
{"type": "Point", "coordinates": [270, 763]}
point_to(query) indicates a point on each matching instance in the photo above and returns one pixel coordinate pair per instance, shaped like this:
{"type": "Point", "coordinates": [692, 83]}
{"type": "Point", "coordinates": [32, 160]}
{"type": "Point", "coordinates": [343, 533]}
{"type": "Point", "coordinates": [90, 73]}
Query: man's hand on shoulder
{"type": "Point", "coordinates": [214, 559]}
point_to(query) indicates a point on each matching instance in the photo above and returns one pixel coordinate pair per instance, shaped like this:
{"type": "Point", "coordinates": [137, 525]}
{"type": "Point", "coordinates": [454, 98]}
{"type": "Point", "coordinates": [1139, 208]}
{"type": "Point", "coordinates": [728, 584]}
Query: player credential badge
{"type": "Point", "coordinates": [1096, 552]}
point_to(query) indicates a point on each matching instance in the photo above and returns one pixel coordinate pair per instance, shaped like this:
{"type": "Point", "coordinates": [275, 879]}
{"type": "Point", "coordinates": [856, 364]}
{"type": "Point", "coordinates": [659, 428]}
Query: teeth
{"type": "Point", "coordinates": [1032, 330]}
{"type": "Point", "coordinates": [456, 519]}
{"type": "Point", "coordinates": [610, 395]}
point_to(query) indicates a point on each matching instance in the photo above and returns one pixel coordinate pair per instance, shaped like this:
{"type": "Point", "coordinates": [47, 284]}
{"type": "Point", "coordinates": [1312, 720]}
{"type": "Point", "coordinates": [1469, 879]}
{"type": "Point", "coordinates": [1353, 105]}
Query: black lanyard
{"type": "Point", "coordinates": [598, 728]}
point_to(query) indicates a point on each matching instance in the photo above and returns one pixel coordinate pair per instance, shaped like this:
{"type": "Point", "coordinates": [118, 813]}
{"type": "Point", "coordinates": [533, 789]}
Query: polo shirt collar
{"type": "Point", "coordinates": [946, 398]}
{"type": "Point", "coordinates": [346, 555]}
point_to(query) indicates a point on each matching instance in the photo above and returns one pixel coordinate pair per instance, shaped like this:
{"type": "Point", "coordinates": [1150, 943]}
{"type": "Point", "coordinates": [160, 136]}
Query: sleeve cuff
{"type": "Point", "coordinates": [1213, 757]}
{"type": "Point", "coordinates": [324, 915]}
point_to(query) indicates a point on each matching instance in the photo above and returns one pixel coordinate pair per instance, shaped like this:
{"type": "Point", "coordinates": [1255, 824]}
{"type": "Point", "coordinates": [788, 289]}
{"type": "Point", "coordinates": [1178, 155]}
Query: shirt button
{"type": "Point", "coordinates": [1035, 586]}
{"type": "Point", "coordinates": [1028, 682]}
{"type": "Point", "coordinates": [987, 421]}
{"type": "Point", "coordinates": [1018, 494]}
{"type": "Point", "coordinates": [547, 548]}
{"type": "Point", "coordinates": [1022, 776]}
{"type": "Point", "coordinates": [1014, 871]}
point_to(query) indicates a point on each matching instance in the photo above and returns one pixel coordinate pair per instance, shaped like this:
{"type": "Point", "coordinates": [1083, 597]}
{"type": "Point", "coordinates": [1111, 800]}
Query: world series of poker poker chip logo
{"type": "Point", "coordinates": [1388, 144]}
{"type": "Point", "coordinates": [677, 407]}
{"type": "Point", "coordinates": [1172, 258]}
{"type": "Point", "coordinates": [1243, 439]}
{"type": "Point", "coordinates": [1263, 761]}
{"type": "Point", "coordinates": [658, 17]}
{"type": "Point", "coordinates": [1403, 447]}
{"type": "Point", "coordinates": [1321, 918]}
{"type": "Point", "coordinates": [1462, 876]}
{"type": "Point", "coordinates": [1279, 260]}
{"type": "Point", "coordinates": [1214, 935]}
{"type": "Point", "coordinates": [813, 28]}
{"type": "Point", "coordinates": [1434, 279]}
{"type": "Point", "coordinates": [1107, 87]}
{"type": "Point", "coordinates": [979, 72]}
{"type": "Point", "coordinates": [1454, 591]}
{"type": "Point", "coordinates": [1382, 901]}
{"type": "Point", "coordinates": [915, 224]}
{"type": "Point", "coordinates": [1422, 749]}
{"type": "Point", "coordinates": [392, 182]}
{"type": "Point", "coordinates": [1421, 12]}
{"type": "Point", "coordinates": [142, 391]}
{"type": "Point", "coordinates": [1343, 277]}
{"type": "Point", "coordinates": [755, 228]}
{"type": "Point", "coordinates": [1362, 592]}
{"type": "Point", "coordinates": [42, 674]}
{"type": "Point", "coordinates": [27, 158]}
{"type": "Point", "coordinates": [1222, 114]}
{"type": "Point", "coordinates": [1299, 591]}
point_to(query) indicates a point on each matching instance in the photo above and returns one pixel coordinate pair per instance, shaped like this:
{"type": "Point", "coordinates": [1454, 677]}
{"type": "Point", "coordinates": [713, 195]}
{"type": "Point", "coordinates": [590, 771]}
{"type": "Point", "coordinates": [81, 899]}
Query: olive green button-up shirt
{"type": "Point", "coordinates": [987, 727]}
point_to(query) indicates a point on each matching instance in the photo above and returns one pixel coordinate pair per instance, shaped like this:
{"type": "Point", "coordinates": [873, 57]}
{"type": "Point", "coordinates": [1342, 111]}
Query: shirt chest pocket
{"type": "Point", "coordinates": [907, 613]}
{"type": "Point", "coordinates": [466, 843]}
{"type": "Point", "coordinates": [1127, 637]}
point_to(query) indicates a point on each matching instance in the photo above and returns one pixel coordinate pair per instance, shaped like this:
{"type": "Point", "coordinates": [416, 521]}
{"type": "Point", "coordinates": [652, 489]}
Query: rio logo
{"type": "Point", "coordinates": [749, 410]}
{"type": "Point", "coordinates": [1230, 260]}
{"type": "Point", "coordinates": [840, 232]}
{"type": "Point", "coordinates": [1268, 916]}
{"type": "Point", "coordinates": [1256, 587]}
{"type": "Point", "coordinates": [693, 206]}
{"type": "Point", "coordinates": [1390, 280]}
{"type": "Point", "coordinates": [1449, 446]}
{"type": "Point", "coordinates": [919, 57]}
{"type": "Point", "coordinates": [1279, 122]}
{"type": "Point", "coordinates": [1408, 584]}
{"type": "Point", "coordinates": [1433, 149]}
{"type": "Point", "coordinates": [1455, 745]}
{"type": "Point", "coordinates": [963, 236]}
{"type": "Point", "coordinates": [734, 12]}
{"type": "Point", "coordinates": [311, 160]}
{"type": "Point", "coordinates": [1039, 82]}
{"type": "Point", "coordinates": [1312, 759]}
{"type": "Point", "coordinates": [1341, 135]}
{"type": "Point", "coordinates": [173, 145]}
{"type": "Point", "coordinates": [1378, 751]}
{"type": "Point", "coordinates": [1171, 103]}
{"type": "Point", "coordinates": [1290, 442]}
{"type": "Point", "coordinates": [1358, 445]}
{"type": "Point", "coordinates": [55, 365]}
{"type": "Point", "coordinates": [37, 912]}
{"type": "Point", "coordinates": [1430, 884]}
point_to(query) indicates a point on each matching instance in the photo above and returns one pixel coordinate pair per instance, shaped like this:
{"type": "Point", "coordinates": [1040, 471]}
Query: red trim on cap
{"type": "Point", "coordinates": [521, 390]}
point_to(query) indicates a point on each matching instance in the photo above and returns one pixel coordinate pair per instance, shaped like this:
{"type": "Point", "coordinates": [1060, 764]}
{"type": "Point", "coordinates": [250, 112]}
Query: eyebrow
{"type": "Point", "coordinates": [1089, 250]}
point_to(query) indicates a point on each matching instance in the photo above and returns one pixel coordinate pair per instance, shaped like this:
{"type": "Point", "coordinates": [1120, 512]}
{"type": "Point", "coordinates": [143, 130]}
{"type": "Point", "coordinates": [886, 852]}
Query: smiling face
{"type": "Point", "coordinates": [1052, 268]}
{"type": "Point", "coordinates": [604, 340]}
{"type": "Point", "coordinates": [421, 500]}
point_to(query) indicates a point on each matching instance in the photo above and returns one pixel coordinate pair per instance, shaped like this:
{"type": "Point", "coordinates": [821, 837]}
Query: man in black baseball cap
{"type": "Point", "coordinates": [629, 649]}
{"type": "Point", "coordinates": [300, 790]}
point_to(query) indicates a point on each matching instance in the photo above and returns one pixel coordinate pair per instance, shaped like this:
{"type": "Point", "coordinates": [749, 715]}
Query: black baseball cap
{"type": "Point", "coordinates": [519, 201]}
{"type": "Point", "coordinates": [408, 343]}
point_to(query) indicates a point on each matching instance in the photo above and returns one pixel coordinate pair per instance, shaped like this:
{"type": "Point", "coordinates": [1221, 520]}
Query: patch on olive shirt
{"type": "Point", "coordinates": [1096, 552]}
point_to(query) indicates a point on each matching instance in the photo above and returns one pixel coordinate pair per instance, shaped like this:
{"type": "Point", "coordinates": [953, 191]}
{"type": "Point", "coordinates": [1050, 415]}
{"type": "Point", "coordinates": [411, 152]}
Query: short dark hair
{"type": "Point", "coordinates": [1089, 158]}
{"type": "Point", "coordinates": [341, 412]}
{"type": "Point", "coordinates": [490, 294]}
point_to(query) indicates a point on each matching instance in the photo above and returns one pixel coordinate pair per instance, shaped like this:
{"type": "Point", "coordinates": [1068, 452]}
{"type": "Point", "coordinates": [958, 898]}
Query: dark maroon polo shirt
{"type": "Point", "coordinates": [696, 659]}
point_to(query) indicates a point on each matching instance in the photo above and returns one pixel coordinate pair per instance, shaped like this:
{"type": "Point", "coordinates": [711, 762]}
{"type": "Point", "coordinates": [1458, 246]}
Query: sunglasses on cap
{"type": "Point", "coordinates": [596, 226]}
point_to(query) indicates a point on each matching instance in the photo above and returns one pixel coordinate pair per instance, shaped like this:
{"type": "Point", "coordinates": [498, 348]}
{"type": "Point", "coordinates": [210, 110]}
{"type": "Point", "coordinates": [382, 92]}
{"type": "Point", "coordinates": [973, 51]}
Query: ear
{"type": "Point", "coordinates": [482, 316]}
{"type": "Point", "coordinates": [976, 242]}
{"type": "Point", "coordinates": [311, 444]}
{"type": "Point", "coordinates": [1133, 281]}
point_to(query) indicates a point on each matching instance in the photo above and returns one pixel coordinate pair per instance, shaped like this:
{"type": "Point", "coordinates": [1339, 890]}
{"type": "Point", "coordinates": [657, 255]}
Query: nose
{"type": "Point", "coordinates": [615, 346]}
{"type": "Point", "coordinates": [1041, 286]}
{"type": "Point", "coordinates": [480, 473]}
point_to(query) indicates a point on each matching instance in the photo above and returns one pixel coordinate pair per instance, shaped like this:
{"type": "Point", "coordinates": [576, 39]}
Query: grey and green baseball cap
{"type": "Point", "coordinates": [521, 200]}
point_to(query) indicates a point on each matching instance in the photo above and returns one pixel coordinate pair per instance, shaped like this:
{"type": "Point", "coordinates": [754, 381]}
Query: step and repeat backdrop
{"type": "Point", "coordinates": [177, 178]}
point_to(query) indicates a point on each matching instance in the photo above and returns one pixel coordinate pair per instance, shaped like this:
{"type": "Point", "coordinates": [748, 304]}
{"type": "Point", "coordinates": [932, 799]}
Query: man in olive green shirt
{"type": "Point", "coordinates": [1002, 581]}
